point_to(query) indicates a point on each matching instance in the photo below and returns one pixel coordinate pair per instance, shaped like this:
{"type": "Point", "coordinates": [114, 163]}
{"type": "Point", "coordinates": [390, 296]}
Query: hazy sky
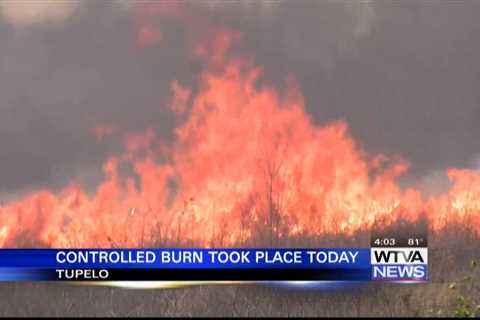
{"type": "Point", "coordinates": [404, 75]}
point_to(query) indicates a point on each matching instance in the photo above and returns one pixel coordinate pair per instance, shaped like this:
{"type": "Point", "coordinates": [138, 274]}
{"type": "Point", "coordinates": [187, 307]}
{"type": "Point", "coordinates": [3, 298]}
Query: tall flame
{"type": "Point", "coordinates": [246, 159]}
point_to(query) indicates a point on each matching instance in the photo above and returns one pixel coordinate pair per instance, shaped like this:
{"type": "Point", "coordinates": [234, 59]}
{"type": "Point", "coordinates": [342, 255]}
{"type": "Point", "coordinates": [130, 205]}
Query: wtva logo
{"type": "Point", "coordinates": [399, 256]}
{"type": "Point", "coordinates": [399, 264]}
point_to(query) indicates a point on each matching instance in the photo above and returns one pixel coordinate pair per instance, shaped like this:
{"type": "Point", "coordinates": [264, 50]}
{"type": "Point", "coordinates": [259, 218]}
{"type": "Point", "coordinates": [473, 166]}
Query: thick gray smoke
{"type": "Point", "coordinates": [404, 75]}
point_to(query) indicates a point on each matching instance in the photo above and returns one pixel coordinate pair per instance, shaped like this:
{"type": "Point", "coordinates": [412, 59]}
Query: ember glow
{"type": "Point", "coordinates": [246, 160]}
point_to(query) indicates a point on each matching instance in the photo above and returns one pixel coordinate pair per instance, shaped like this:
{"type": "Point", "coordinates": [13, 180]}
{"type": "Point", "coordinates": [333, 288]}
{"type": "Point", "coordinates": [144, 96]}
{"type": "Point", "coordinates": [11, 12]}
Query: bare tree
{"type": "Point", "coordinates": [274, 170]}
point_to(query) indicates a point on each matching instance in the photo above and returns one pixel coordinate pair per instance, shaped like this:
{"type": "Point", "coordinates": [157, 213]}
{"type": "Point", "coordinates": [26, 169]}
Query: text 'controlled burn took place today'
{"type": "Point", "coordinates": [214, 256]}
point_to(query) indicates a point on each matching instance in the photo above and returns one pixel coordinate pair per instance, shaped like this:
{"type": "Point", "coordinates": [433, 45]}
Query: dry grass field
{"type": "Point", "coordinates": [453, 290]}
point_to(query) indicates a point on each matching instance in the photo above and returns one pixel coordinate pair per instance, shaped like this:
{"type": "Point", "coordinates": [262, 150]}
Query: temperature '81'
{"type": "Point", "coordinates": [415, 242]}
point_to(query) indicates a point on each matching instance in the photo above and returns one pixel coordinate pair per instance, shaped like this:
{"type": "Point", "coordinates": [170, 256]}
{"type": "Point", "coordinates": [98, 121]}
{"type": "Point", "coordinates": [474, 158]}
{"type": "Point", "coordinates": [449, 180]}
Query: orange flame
{"type": "Point", "coordinates": [245, 158]}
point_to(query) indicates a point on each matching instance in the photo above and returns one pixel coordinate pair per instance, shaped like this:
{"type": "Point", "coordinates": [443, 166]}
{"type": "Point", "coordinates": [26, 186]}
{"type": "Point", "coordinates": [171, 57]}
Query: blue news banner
{"type": "Point", "coordinates": [184, 264]}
